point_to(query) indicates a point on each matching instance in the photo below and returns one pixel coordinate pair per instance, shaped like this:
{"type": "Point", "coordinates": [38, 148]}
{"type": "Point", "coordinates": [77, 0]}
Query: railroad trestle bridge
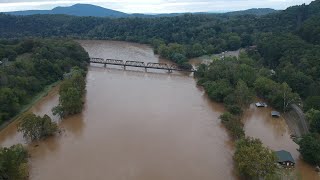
{"type": "Point", "coordinates": [149, 65]}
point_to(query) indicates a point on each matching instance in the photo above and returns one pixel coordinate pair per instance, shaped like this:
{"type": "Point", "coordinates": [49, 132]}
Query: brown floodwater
{"type": "Point", "coordinates": [135, 125]}
{"type": "Point", "coordinates": [275, 134]}
{"type": "Point", "coordinates": [142, 126]}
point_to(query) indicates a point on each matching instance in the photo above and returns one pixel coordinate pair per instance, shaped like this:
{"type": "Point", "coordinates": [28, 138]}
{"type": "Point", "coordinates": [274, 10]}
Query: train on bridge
{"type": "Point", "coordinates": [149, 65]}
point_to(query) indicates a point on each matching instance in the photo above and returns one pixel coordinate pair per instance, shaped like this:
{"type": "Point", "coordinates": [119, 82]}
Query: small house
{"type": "Point", "coordinates": [275, 114]}
{"type": "Point", "coordinates": [285, 159]}
{"type": "Point", "coordinates": [261, 104]}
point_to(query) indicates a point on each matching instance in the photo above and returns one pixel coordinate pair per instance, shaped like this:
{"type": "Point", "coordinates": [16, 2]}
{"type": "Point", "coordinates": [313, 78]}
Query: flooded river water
{"type": "Point", "coordinates": [142, 126]}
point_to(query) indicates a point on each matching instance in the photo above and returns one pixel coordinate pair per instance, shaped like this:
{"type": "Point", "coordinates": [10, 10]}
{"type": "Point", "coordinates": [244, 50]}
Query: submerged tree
{"type": "Point", "coordinates": [35, 127]}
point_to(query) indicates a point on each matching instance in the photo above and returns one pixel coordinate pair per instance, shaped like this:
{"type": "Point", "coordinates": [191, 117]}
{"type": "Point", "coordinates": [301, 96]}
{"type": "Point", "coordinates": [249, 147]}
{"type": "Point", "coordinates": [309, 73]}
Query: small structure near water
{"type": "Point", "coordinates": [275, 114]}
{"type": "Point", "coordinates": [261, 104]}
{"type": "Point", "coordinates": [285, 158]}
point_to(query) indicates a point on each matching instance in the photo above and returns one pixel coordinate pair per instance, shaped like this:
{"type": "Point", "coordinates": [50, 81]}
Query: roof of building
{"type": "Point", "coordinates": [284, 156]}
{"type": "Point", "coordinates": [275, 113]}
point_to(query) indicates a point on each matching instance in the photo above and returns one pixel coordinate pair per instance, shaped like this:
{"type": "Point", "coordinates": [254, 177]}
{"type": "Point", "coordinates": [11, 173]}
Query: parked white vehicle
{"type": "Point", "coordinates": [261, 104]}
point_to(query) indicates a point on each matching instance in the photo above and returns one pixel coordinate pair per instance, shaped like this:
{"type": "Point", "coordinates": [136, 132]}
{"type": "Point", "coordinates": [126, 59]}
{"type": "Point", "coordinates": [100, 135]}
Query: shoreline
{"type": "Point", "coordinates": [33, 101]}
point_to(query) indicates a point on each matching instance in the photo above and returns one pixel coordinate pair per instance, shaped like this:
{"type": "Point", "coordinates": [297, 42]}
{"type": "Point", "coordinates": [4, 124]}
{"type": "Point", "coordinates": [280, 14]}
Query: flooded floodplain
{"type": "Point", "coordinates": [142, 126]}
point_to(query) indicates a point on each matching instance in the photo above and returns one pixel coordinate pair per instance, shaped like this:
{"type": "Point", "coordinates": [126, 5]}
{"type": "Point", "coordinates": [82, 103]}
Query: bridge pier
{"type": "Point", "coordinates": [124, 67]}
{"type": "Point", "coordinates": [145, 69]}
{"type": "Point", "coordinates": [105, 65]}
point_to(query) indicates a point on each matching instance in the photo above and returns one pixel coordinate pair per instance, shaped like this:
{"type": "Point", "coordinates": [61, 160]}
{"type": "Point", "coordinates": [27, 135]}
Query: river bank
{"type": "Point", "coordinates": [32, 102]}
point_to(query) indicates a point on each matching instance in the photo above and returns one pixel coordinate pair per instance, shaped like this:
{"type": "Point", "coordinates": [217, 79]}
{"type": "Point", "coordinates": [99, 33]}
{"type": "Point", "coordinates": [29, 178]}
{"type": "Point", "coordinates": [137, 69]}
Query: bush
{"type": "Point", "coordinates": [233, 124]}
{"type": "Point", "coordinates": [235, 109]}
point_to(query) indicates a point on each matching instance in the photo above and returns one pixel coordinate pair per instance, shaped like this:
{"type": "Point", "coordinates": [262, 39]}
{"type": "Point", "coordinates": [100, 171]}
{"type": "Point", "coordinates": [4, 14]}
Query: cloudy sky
{"type": "Point", "coordinates": [154, 6]}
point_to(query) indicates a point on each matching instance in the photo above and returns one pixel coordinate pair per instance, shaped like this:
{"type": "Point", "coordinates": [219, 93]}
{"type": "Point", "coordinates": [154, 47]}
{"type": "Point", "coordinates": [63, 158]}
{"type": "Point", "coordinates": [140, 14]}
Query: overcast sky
{"type": "Point", "coordinates": [154, 6]}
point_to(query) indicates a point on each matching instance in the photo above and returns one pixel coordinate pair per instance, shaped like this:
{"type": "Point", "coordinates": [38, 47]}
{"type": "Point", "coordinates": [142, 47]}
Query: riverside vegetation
{"type": "Point", "coordinates": [282, 67]}
{"type": "Point", "coordinates": [31, 65]}
{"type": "Point", "coordinates": [71, 92]}
{"type": "Point", "coordinates": [235, 82]}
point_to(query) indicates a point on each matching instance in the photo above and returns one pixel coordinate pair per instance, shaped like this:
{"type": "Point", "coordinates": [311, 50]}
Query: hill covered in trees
{"type": "Point", "coordinates": [76, 10]}
{"type": "Point", "coordinates": [97, 11]}
{"type": "Point", "coordinates": [253, 11]}
{"type": "Point", "coordinates": [287, 41]}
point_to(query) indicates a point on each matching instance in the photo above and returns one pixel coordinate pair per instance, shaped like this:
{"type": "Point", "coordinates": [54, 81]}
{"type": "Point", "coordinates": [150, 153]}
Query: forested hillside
{"type": "Point", "coordinates": [30, 65]}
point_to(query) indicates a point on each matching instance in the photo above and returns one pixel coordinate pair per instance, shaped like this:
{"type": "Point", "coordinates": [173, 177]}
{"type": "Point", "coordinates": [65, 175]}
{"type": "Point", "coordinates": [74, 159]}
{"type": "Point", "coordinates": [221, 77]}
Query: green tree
{"type": "Point", "coordinates": [310, 148]}
{"type": "Point", "coordinates": [265, 87]}
{"type": "Point", "coordinates": [285, 96]}
{"type": "Point", "coordinates": [35, 127]}
{"type": "Point", "coordinates": [71, 92]}
{"type": "Point", "coordinates": [13, 163]}
{"type": "Point", "coordinates": [313, 116]}
{"type": "Point", "coordinates": [254, 161]}
{"type": "Point", "coordinates": [9, 103]}
{"type": "Point", "coordinates": [234, 42]}
{"type": "Point", "coordinates": [246, 73]}
{"type": "Point", "coordinates": [218, 90]}
{"type": "Point", "coordinates": [243, 95]}
{"type": "Point", "coordinates": [312, 102]}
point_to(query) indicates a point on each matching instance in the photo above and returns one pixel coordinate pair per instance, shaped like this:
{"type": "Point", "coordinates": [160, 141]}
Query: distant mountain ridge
{"type": "Point", "coordinates": [97, 11]}
{"type": "Point", "coordinates": [253, 11]}
{"type": "Point", "coordinates": [75, 10]}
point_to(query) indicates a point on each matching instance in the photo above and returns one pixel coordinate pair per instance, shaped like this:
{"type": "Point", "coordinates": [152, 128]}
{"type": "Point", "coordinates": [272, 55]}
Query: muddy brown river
{"type": "Point", "coordinates": [143, 126]}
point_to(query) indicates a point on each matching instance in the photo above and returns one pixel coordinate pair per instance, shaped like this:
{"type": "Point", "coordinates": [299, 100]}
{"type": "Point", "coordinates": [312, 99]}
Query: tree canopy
{"type": "Point", "coordinates": [253, 160]}
{"type": "Point", "coordinates": [36, 63]}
